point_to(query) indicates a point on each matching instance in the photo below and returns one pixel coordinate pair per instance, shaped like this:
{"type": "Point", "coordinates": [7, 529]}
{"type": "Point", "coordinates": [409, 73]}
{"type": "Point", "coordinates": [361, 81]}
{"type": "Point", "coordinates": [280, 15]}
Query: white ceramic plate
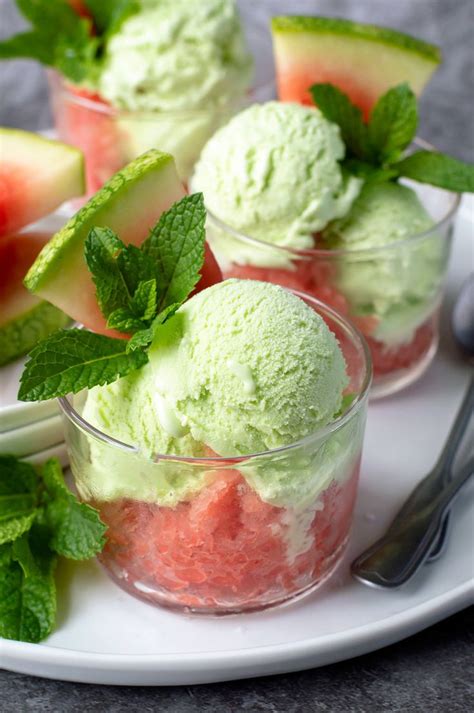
{"type": "Point", "coordinates": [58, 451]}
{"type": "Point", "coordinates": [34, 437]}
{"type": "Point", "coordinates": [105, 636]}
{"type": "Point", "coordinates": [16, 414]}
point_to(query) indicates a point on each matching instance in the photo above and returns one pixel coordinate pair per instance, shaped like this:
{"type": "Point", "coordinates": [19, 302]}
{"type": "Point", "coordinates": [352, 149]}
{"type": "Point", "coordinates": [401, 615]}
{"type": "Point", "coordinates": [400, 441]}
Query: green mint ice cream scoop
{"type": "Point", "coordinates": [391, 270]}
{"type": "Point", "coordinates": [273, 173]}
{"type": "Point", "coordinates": [177, 54]}
{"type": "Point", "coordinates": [241, 368]}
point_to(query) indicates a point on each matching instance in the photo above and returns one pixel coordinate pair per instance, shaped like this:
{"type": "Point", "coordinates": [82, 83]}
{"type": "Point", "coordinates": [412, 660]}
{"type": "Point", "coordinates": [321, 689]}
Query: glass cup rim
{"type": "Point", "coordinates": [72, 415]}
{"type": "Point", "coordinates": [328, 253]}
{"type": "Point", "coordinates": [94, 105]}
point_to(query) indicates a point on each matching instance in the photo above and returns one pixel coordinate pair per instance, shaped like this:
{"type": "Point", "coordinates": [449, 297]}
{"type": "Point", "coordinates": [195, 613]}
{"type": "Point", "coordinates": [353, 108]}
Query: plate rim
{"type": "Point", "coordinates": [219, 665]}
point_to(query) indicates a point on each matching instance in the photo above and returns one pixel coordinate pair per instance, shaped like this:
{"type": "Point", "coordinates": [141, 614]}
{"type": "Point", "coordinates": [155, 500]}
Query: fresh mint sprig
{"type": "Point", "coordinates": [137, 289]}
{"type": "Point", "coordinates": [376, 151]}
{"type": "Point", "coordinates": [59, 37]}
{"type": "Point", "coordinates": [39, 520]}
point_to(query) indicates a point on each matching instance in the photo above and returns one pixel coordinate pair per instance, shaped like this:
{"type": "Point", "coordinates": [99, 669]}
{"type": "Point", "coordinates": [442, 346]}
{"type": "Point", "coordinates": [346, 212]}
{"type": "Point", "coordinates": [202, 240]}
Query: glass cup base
{"type": "Point", "coordinates": [158, 598]}
{"type": "Point", "coordinates": [394, 382]}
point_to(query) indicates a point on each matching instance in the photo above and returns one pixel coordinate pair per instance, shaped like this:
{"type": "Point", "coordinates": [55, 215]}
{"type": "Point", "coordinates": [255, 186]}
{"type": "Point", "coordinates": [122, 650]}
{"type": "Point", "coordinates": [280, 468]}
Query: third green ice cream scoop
{"type": "Point", "coordinates": [396, 285]}
{"type": "Point", "coordinates": [273, 173]}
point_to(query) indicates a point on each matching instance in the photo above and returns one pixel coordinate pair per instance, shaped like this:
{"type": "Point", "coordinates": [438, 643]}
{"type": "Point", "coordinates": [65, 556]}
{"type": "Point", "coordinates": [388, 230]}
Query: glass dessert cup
{"type": "Point", "coordinates": [111, 138]}
{"type": "Point", "coordinates": [235, 543]}
{"type": "Point", "coordinates": [395, 305]}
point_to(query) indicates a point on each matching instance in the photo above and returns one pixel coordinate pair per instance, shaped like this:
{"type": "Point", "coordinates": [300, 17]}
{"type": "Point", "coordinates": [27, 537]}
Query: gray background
{"type": "Point", "coordinates": [430, 672]}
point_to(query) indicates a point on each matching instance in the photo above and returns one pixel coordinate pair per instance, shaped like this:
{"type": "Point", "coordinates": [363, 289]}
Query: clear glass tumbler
{"type": "Point", "coordinates": [392, 293]}
{"type": "Point", "coordinates": [111, 138]}
{"type": "Point", "coordinates": [236, 543]}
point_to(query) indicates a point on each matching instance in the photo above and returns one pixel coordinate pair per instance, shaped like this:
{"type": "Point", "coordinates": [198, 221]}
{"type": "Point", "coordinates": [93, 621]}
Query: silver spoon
{"type": "Point", "coordinates": [395, 558]}
{"type": "Point", "coordinates": [463, 317]}
{"type": "Point", "coordinates": [462, 326]}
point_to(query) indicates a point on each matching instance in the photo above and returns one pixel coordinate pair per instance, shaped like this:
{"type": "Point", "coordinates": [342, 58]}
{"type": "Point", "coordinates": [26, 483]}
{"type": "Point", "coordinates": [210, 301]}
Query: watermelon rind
{"type": "Point", "coordinates": [129, 203]}
{"type": "Point", "coordinates": [379, 34]}
{"type": "Point", "coordinates": [20, 335]}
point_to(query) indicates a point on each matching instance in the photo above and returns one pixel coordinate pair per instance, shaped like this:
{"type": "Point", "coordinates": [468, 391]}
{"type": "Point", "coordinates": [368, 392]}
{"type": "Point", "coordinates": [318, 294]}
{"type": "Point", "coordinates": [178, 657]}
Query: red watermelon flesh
{"type": "Point", "coordinates": [83, 119]}
{"type": "Point", "coordinates": [36, 176]}
{"type": "Point", "coordinates": [364, 61]}
{"type": "Point", "coordinates": [17, 253]}
{"type": "Point", "coordinates": [24, 318]}
{"type": "Point", "coordinates": [225, 548]}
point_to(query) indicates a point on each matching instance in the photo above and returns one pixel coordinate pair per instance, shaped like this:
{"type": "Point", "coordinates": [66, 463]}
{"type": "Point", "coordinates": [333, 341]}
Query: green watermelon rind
{"type": "Point", "coordinates": [69, 239]}
{"type": "Point", "coordinates": [373, 33]}
{"type": "Point", "coordinates": [20, 335]}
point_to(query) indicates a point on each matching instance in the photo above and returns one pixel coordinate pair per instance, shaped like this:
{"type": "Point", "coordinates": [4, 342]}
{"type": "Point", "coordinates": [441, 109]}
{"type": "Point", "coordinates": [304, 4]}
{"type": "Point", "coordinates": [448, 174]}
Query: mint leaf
{"type": "Point", "coordinates": [74, 359]}
{"type": "Point", "coordinates": [176, 246]}
{"type": "Point", "coordinates": [58, 38]}
{"type": "Point", "coordinates": [101, 249]}
{"type": "Point", "coordinates": [338, 108]}
{"type": "Point", "coordinates": [123, 320]}
{"type": "Point", "coordinates": [144, 299]}
{"type": "Point", "coordinates": [369, 172]}
{"type": "Point", "coordinates": [118, 271]}
{"type": "Point", "coordinates": [30, 45]}
{"type": "Point", "coordinates": [18, 498]}
{"type": "Point", "coordinates": [393, 123]}
{"type": "Point", "coordinates": [21, 553]}
{"type": "Point", "coordinates": [16, 526]}
{"type": "Point", "coordinates": [27, 601]}
{"type": "Point", "coordinates": [109, 14]}
{"type": "Point", "coordinates": [135, 267]}
{"type": "Point", "coordinates": [143, 338]}
{"type": "Point", "coordinates": [142, 309]}
{"type": "Point", "coordinates": [438, 170]}
{"type": "Point", "coordinates": [58, 522]}
{"type": "Point", "coordinates": [78, 532]}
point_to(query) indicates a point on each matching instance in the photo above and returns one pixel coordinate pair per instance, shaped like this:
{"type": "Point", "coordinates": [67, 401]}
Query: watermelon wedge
{"type": "Point", "coordinates": [130, 204]}
{"type": "Point", "coordinates": [36, 176]}
{"type": "Point", "coordinates": [364, 61]}
{"type": "Point", "coordinates": [24, 318]}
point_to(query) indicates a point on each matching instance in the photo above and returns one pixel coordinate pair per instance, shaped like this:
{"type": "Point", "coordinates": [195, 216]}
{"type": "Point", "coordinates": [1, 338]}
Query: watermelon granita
{"type": "Point", "coordinates": [85, 120]}
{"type": "Point", "coordinates": [226, 549]}
{"type": "Point", "coordinates": [230, 478]}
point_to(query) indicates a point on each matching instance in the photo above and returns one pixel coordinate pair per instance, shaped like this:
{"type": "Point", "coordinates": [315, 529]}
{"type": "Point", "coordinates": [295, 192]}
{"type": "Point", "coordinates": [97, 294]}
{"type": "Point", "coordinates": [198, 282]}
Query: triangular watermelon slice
{"type": "Point", "coordinates": [24, 318]}
{"type": "Point", "coordinates": [130, 204]}
{"type": "Point", "coordinates": [36, 176]}
{"type": "Point", "coordinates": [364, 61]}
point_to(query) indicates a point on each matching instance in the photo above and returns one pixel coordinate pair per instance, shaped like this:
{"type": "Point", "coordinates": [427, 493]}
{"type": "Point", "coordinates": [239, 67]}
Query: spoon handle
{"type": "Point", "coordinates": [392, 560]}
{"type": "Point", "coordinates": [464, 413]}
{"type": "Point", "coordinates": [447, 455]}
{"type": "Point", "coordinates": [428, 488]}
